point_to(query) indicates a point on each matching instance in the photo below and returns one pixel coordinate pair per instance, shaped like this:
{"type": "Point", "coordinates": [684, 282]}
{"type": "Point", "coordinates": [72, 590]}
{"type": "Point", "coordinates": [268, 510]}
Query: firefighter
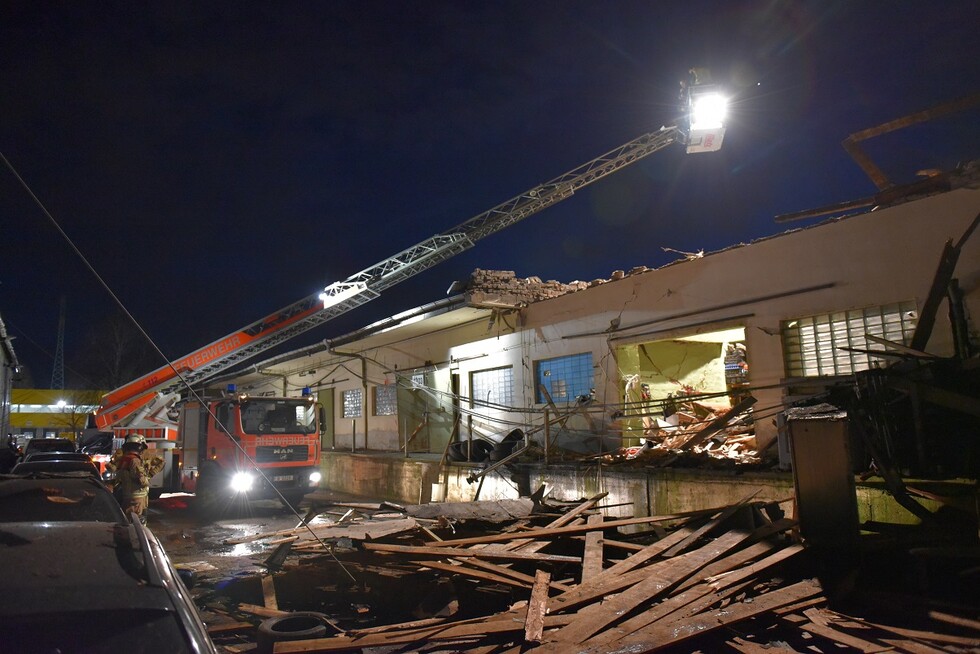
{"type": "Point", "coordinates": [133, 474]}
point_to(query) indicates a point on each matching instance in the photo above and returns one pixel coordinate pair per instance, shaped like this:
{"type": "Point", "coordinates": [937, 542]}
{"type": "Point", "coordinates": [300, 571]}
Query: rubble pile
{"type": "Point", "coordinates": [529, 575]}
{"type": "Point", "coordinates": [695, 434]}
{"type": "Point", "coordinates": [501, 288]}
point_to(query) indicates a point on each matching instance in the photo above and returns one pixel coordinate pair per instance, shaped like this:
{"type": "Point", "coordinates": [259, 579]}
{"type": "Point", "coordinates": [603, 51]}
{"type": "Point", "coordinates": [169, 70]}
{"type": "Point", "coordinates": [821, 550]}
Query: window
{"type": "Point", "coordinates": [353, 402]}
{"type": "Point", "coordinates": [385, 400]}
{"type": "Point", "coordinates": [812, 346]}
{"type": "Point", "coordinates": [566, 378]}
{"type": "Point", "coordinates": [495, 386]}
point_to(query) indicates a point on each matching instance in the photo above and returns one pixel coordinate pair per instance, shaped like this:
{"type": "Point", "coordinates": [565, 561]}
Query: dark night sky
{"type": "Point", "coordinates": [216, 162]}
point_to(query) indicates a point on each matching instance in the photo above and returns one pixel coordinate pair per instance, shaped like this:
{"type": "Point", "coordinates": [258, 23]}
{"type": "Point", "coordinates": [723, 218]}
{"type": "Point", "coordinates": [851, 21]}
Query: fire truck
{"type": "Point", "coordinates": [241, 446]}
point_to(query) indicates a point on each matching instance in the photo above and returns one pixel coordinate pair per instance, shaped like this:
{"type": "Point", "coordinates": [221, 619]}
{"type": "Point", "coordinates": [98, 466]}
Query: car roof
{"type": "Point", "coordinates": [65, 456]}
{"type": "Point", "coordinates": [55, 465]}
{"type": "Point", "coordinates": [49, 444]}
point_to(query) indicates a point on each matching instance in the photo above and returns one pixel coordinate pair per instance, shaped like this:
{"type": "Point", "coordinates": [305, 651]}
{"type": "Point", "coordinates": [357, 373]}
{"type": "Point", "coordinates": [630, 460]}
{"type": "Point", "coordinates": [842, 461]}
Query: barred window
{"type": "Point", "coordinates": [386, 400]}
{"type": "Point", "coordinates": [495, 386]}
{"type": "Point", "coordinates": [566, 378]}
{"type": "Point", "coordinates": [812, 346]}
{"type": "Point", "coordinates": [353, 402]}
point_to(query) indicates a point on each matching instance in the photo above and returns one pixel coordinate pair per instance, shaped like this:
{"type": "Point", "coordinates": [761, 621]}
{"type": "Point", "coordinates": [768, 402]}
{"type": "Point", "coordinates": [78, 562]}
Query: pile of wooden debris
{"type": "Point", "coordinates": [696, 434]}
{"type": "Point", "coordinates": [729, 578]}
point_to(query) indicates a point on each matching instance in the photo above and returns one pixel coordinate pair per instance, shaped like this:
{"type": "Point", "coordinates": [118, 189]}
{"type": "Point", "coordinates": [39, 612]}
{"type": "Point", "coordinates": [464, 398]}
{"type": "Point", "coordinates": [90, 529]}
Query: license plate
{"type": "Point", "coordinates": [283, 478]}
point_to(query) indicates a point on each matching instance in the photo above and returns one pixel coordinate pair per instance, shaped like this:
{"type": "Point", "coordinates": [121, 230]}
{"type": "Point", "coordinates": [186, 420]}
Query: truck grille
{"type": "Point", "coordinates": [280, 453]}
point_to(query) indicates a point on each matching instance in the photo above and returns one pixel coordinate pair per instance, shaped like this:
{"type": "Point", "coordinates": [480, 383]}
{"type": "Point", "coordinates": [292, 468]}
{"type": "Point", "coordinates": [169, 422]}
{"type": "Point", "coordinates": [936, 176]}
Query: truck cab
{"type": "Point", "coordinates": [241, 447]}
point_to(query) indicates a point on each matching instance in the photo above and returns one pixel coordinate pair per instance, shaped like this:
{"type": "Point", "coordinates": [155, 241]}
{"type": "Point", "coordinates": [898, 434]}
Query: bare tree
{"type": "Point", "coordinates": [114, 353]}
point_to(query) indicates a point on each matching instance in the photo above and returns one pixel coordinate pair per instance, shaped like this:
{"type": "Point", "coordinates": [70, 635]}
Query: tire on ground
{"type": "Point", "coordinates": [299, 625]}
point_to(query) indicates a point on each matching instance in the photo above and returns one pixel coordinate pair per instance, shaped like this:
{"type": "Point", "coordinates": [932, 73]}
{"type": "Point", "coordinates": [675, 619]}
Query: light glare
{"type": "Point", "coordinates": [242, 482]}
{"type": "Point", "coordinates": [709, 111]}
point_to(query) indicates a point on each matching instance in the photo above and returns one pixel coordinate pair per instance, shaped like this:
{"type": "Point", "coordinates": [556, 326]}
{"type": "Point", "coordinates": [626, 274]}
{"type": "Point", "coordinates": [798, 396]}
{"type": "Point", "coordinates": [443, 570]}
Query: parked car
{"type": "Point", "coordinates": [49, 445]}
{"type": "Point", "coordinates": [47, 497]}
{"type": "Point", "coordinates": [83, 581]}
{"type": "Point", "coordinates": [56, 465]}
{"type": "Point", "coordinates": [52, 456]}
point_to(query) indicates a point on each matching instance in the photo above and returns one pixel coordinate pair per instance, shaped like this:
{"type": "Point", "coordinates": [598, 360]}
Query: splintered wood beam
{"type": "Point", "coordinates": [844, 639]}
{"type": "Point", "coordinates": [534, 534]}
{"type": "Point", "coordinates": [269, 593]}
{"type": "Point", "coordinates": [490, 572]}
{"type": "Point", "coordinates": [512, 622]}
{"type": "Point", "coordinates": [261, 611]}
{"type": "Point", "coordinates": [675, 542]}
{"type": "Point", "coordinates": [657, 637]}
{"type": "Point", "coordinates": [455, 552]}
{"type": "Point", "coordinates": [537, 606]}
{"type": "Point", "coordinates": [711, 524]}
{"type": "Point", "coordinates": [592, 558]}
{"type": "Point", "coordinates": [699, 597]}
{"type": "Point", "coordinates": [654, 585]}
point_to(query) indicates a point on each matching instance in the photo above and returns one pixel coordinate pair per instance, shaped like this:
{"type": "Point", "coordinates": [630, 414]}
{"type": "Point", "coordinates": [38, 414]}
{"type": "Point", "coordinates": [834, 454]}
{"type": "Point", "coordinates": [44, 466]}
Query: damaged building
{"type": "Point", "coordinates": [567, 373]}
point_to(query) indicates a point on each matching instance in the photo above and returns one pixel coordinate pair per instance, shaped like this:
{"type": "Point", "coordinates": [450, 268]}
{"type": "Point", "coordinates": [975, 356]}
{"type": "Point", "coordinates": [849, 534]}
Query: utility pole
{"type": "Point", "coordinates": [58, 374]}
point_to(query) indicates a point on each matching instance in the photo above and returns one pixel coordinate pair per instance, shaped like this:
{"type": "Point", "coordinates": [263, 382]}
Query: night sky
{"type": "Point", "coordinates": [215, 162]}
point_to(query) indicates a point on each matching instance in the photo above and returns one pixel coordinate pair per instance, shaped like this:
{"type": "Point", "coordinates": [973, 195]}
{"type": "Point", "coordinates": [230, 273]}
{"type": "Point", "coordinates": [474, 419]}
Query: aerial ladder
{"type": "Point", "coordinates": [143, 402]}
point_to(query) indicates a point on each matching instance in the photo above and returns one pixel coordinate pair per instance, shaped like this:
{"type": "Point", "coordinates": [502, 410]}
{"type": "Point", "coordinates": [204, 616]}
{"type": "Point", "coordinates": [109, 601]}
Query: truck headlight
{"type": "Point", "coordinates": [242, 482]}
{"type": "Point", "coordinates": [315, 477]}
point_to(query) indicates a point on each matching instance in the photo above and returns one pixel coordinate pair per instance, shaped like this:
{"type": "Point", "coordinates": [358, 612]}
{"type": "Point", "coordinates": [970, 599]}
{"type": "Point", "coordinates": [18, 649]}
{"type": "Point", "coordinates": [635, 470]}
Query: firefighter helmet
{"type": "Point", "coordinates": [136, 440]}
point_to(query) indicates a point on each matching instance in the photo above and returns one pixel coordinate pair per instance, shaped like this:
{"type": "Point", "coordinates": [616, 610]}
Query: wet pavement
{"type": "Point", "coordinates": [208, 545]}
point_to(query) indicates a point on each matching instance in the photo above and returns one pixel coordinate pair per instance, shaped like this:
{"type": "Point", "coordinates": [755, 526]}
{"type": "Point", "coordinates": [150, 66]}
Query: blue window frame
{"type": "Point", "coordinates": [566, 378]}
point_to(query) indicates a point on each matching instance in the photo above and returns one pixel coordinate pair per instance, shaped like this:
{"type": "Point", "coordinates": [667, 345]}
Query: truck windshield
{"type": "Point", "coordinates": [278, 417]}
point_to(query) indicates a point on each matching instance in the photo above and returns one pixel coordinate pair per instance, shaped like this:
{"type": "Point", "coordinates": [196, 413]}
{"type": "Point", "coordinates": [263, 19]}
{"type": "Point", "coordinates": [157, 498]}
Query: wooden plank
{"type": "Point", "coordinates": [650, 551]}
{"type": "Point", "coordinates": [512, 623]}
{"type": "Point", "coordinates": [563, 520]}
{"type": "Point", "coordinates": [261, 611]}
{"type": "Point", "coordinates": [456, 552]}
{"type": "Point", "coordinates": [845, 639]}
{"type": "Point", "coordinates": [269, 593]}
{"type": "Point", "coordinates": [506, 571]}
{"type": "Point", "coordinates": [912, 647]}
{"type": "Point", "coordinates": [592, 558]}
{"type": "Point", "coordinates": [673, 541]}
{"type": "Point", "coordinates": [230, 628]}
{"type": "Point", "coordinates": [657, 637]}
{"type": "Point", "coordinates": [534, 534]}
{"type": "Point", "coordinates": [711, 524]}
{"type": "Point", "coordinates": [699, 597]}
{"type": "Point", "coordinates": [493, 574]}
{"type": "Point", "coordinates": [651, 587]}
{"type": "Point", "coordinates": [537, 607]}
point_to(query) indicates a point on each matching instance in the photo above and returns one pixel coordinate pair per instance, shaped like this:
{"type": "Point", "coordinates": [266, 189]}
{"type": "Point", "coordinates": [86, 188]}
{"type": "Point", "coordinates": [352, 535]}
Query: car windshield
{"type": "Point", "coordinates": [278, 417]}
{"type": "Point", "coordinates": [49, 445]}
{"type": "Point", "coordinates": [56, 499]}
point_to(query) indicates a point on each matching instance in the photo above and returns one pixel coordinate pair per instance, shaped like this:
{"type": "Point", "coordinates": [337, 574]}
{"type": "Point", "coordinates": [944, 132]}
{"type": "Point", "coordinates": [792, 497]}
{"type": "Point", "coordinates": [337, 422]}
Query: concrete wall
{"type": "Point", "coordinates": [630, 492]}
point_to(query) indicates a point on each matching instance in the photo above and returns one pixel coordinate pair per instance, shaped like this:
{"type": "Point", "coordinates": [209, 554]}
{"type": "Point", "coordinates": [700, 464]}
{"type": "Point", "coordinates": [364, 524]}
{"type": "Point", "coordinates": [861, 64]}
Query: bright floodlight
{"type": "Point", "coordinates": [708, 111]}
{"type": "Point", "coordinates": [242, 482]}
